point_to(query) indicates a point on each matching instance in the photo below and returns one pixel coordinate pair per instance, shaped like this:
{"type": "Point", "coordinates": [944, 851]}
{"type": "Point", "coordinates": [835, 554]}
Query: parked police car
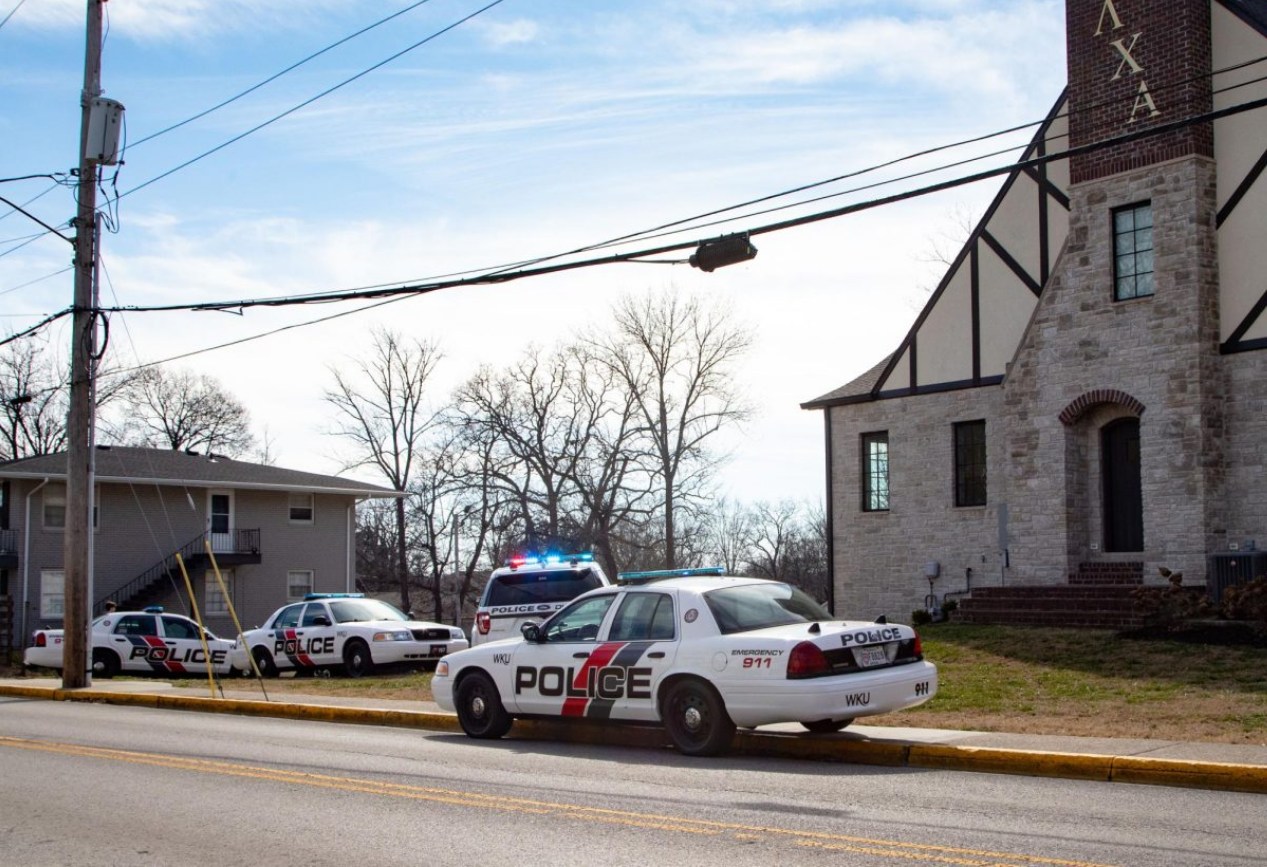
{"type": "Point", "coordinates": [701, 655]}
{"type": "Point", "coordinates": [138, 642]}
{"type": "Point", "coordinates": [347, 631]}
{"type": "Point", "coordinates": [530, 589]}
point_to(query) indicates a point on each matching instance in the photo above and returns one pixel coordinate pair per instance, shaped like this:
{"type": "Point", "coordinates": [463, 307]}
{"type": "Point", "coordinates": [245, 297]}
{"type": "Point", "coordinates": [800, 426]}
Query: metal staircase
{"type": "Point", "coordinates": [154, 582]}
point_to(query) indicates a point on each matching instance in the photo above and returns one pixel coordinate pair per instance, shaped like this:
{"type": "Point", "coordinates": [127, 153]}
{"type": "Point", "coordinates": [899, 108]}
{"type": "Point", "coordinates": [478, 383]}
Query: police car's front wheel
{"type": "Point", "coordinates": [356, 659]}
{"type": "Point", "coordinates": [696, 719]}
{"type": "Point", "coordinates": [264, 662]}
{"type": "Point", "coordinates": [480, 709]}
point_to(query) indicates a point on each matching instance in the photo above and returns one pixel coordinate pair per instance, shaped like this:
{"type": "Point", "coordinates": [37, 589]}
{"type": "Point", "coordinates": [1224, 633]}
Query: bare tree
{"type": "Point", "coordinates": [775, 531]}
{"type": "Point", "coordinates": [33, 395]}
{"type": "Point", "coordinates": [676, 357]}
{"type": "Point", "coordinates": [382, 411]}
{"type": "Point", "coordinates": [729, 529]}
{"type": "Point", "coordinates": [183, 410]}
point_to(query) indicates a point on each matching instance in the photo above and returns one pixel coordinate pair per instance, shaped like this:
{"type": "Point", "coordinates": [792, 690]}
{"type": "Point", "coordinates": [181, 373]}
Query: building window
{"type": "Point", "coordinates": [875, 472]}
{"type": "Point", "coordinates": [301, 508]}
{"type": "Point", "coordinates": [52, 593]}
{"type": "Point", "coordinates": [970, 463]}
{"type": "Point", "coordinates": [54, 507]}
{"type": "Point", "coordinates": [1133, 252]}
{"type": "Point", "coordinates": [216, 601]}
{"type": "Point", "coordinates": [298, 584]}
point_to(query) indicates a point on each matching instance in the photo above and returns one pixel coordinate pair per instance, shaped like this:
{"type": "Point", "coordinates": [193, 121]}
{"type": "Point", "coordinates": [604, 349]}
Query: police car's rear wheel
{"type": "Point", "coordinates": [480, 709]}
{"type": "Point", "coordinates": [264, 662]}
{"type": "Point", "coordinates": [696, 719]}
{"type": "Point", "coordinates": [826, 726]}
{"type": "Point", "coordinates": [357, 659]}
{"type": "Point", "coordinates": [105, 663]}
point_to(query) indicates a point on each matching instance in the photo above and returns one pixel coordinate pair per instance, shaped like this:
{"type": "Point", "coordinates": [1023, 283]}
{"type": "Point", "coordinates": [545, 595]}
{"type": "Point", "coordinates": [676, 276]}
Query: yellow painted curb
{"type": "Point", "coordinates": [1122, 769]}
{"type": "Point", "coordinates": [1199, 775]}
{"type": "Point", "coordinates": [1075, 766]}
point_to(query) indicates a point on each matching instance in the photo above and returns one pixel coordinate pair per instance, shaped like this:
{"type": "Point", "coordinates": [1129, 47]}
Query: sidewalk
{"type": "Point", "coordinates": [1229, 767]}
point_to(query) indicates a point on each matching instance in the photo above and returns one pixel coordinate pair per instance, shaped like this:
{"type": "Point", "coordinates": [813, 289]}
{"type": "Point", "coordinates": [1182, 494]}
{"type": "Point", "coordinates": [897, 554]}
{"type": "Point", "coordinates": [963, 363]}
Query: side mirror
{"type": "Point", "coordinates": [321, 620]}
{"type": "Point", "coordinates": [531, 632]}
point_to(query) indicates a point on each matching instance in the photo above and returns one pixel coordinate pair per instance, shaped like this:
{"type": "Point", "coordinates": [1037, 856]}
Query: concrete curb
{"type": "Point", "coordinates": [897, 754]}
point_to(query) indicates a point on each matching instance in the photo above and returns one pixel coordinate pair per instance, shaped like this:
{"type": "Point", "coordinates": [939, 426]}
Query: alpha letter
{"type": "Point", "coordinates": [1117, 22]}
{"type": "Point", "coordinates": [1144, 100]}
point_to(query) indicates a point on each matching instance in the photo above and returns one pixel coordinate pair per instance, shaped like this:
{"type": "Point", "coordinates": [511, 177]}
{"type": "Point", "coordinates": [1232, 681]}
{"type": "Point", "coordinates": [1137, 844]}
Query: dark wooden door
{"type": "Point", "coordinates": [1123, 501]}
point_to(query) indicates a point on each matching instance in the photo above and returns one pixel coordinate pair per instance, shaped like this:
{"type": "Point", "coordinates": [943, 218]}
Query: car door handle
{"type": "Point", "coordinates": [580, 656]}
{"type": "Point", "coordinates": [656, 655]}
{"type": "Point", "coordinates": [172, 643]}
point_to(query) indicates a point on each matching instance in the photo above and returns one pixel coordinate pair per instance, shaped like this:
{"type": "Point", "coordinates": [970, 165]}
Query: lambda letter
{"type": "Point", "coordinates": [1144, 99]}
{"type": "Point", "coordinates": [1136, 69]}
{"type": "Point", "coordinates": [1108, 7]}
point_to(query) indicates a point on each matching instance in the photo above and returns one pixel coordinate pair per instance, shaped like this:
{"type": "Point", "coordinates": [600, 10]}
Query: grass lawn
{"type": "Point", "coordinates": [1012, 679]}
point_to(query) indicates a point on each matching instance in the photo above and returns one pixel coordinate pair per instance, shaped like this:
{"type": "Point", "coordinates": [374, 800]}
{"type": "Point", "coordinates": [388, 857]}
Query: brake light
{"type": "Point", "coordinates": [919, 648]}
{"type": "Point", "coordinates": [40, 640]}
{"type": "Point", "coordinates": [484, 622]}
{"type": "Point", "coordinates": [807, 660]}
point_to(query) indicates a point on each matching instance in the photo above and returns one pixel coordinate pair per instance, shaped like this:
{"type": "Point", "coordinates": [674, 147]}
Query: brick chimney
{"type": "Point", "coordinates": [1135, 64]}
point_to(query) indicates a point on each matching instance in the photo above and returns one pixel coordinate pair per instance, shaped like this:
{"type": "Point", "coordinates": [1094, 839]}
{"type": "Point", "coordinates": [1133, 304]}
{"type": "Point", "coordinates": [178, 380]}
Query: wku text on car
{"type": "Point", "coordinates": [345, 631]}
{"type": "Point", "coordinates": [695, 651]}
{"type": "Point", "coordinates": [529, 589]}
{"type": "Point", "coordinates": [138, 642]}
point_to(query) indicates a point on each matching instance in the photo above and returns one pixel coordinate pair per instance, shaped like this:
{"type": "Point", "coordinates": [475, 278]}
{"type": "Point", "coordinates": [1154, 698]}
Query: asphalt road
{"type": "Point", "coordinates": [91, 784]}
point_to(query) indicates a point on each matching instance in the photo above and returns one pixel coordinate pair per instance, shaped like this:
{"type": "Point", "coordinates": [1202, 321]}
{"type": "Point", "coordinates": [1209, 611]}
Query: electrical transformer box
{"type": "Point", "coordinates": [105, 121]}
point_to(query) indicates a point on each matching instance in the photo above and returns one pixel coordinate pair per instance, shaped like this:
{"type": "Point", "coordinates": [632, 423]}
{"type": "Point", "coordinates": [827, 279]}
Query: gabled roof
{"type": "Point", "coordinates": [859, 388]}
{"type": "Point", "coordinates": [188, 469]}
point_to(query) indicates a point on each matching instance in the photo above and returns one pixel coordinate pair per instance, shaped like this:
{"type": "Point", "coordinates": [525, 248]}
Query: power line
{"type": "Point", "coordinates": [310, 101]}
{"type": "Point", "coordinates": [37, 279]}
{"type": "Point", "coordinates": [503, 277]}
{"type": "Point", "coordinates": [31, 216]}
{"type": "Point", "coordinates": [12, 12]}
{"type": "Point", "coordinates": [278, 75]}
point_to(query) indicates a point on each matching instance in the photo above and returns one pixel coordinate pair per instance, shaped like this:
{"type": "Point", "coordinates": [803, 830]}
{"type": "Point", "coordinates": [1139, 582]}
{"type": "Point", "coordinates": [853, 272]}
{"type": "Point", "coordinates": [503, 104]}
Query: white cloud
{"type": "Point", "coordinates": [153, 20]}
{"type": "Point", "coordinates": [500, 34]}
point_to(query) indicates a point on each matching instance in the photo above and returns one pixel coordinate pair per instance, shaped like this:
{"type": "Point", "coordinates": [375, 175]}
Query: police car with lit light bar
{"type": "Point", "coordinates": [695, 651]}
{"type": "Point", "coordinates": [138, 642]}
{"type": "Point", "coordinates": [347, 632]}
{"type": "Point", "coordinates": [530, 589]}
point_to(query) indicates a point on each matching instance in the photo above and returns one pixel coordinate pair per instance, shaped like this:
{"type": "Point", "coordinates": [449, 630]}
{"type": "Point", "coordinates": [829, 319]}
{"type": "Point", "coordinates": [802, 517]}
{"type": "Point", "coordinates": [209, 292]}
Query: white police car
{"type": "Point", "coordinates": [530, 589]}
{"type": "Point", "coordinates": [701, 655]}
{"type": "Point", "coordinates": [138, 642]}
{"type": "Point", "coordinates": [345, 631]}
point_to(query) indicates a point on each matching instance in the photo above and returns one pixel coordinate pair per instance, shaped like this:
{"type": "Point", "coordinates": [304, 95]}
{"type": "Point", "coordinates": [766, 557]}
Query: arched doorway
{"type": "Point", "coordinates": [1123, 501]}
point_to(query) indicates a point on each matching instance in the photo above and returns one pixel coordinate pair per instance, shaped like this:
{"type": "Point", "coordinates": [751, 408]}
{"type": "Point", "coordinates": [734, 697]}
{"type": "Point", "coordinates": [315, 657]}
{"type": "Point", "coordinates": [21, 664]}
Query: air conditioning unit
{"type": "Point", "coordinates": [1234, 568]}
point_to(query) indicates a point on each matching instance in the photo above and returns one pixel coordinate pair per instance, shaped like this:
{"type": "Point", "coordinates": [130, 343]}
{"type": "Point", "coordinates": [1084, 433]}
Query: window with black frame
{"type": "Point", "coordinates": [1133, 252]}
{"type": "Point", "coordinates": [970, 487]}
{"type": "Point", "coordinates": [875, 472]}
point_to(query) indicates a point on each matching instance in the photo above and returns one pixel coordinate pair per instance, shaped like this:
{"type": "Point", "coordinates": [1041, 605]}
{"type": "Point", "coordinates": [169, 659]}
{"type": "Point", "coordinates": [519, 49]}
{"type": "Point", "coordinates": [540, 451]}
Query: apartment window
{"type": "Point", "coordinates": [216, 601]}
{"type": "Point", "coordinates": [52, 593]}
{"type": "Point", "coordinates": [875, 472]}
{"type": "Point", "coordinates": [970, 463]}
{"type": "Point", "coordinates": [301, 508]}
{"type": "Point", "coordinates": [54, 507]}
{"type": "Point", "coordinates": [1133, 252]}
{"type": "Point", "coordinates": [298, 584]}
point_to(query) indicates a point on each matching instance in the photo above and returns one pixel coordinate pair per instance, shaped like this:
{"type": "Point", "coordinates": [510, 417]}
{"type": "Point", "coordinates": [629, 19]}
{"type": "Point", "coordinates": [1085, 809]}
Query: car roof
{"type": "Point", "coordinates": [698, 583]}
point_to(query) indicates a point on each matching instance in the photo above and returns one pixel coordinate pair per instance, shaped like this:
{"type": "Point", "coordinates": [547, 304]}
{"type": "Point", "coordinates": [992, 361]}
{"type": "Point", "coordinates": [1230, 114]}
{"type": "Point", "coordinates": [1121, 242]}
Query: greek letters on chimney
{"type": "Point", "coordinates": [1124, 44]}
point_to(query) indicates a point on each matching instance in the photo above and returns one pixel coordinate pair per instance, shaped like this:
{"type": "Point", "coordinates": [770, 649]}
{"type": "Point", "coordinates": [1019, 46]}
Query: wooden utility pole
{"type": "Point", "coordinates": [77, 647]}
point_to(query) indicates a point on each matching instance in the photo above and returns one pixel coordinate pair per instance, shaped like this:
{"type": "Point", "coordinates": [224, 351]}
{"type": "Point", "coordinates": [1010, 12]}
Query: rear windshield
{"type": "Point", "coordinates": [760, 606]}
{"type": "Point", "coordinates": [359, 610]}
{"type": "Point", "coordinates": [527, 587]}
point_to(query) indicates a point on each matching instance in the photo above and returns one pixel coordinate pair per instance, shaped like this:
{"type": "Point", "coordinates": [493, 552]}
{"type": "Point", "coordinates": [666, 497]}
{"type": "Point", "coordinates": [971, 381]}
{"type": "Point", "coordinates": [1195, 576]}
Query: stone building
{"type": "Point", "coordinates": [1084, 397]}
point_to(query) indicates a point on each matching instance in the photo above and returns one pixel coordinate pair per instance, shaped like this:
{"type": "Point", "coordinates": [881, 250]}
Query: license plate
{"type": "Point", "coordinates": [869, 657]}
{"type": "Point", "coordinates": [439, 649]}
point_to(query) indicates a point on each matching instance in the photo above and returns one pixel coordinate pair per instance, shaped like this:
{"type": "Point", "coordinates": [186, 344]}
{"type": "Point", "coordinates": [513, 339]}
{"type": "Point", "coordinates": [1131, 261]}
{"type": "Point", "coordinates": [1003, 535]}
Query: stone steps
{"type": "Point", "coordinates": [1095, 606]}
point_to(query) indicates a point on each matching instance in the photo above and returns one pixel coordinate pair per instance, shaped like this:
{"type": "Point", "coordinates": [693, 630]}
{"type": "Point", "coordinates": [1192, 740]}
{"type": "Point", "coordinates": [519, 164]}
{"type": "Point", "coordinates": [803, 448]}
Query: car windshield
{"type": "Point", "coordinates": [760, 606]}
{"type": "Point", "coordinates": [526, 587]}
{"type": "Point", "coordinates": [356, 610]}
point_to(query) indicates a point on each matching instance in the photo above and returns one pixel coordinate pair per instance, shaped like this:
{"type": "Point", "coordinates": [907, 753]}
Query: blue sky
{"type": "Point", "coordinates": [536, 127]}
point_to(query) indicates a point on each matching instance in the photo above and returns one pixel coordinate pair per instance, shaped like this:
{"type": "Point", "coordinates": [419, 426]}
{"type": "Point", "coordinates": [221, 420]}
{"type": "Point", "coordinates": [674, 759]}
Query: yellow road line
{"type": "Point", "coordinates": [808, 839]}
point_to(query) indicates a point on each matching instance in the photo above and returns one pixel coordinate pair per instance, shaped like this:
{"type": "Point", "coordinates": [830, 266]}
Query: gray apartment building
{"type": "Point", "coordinates": [1084, 397]}
{"type": "Point", "coordinates": [275, 533]}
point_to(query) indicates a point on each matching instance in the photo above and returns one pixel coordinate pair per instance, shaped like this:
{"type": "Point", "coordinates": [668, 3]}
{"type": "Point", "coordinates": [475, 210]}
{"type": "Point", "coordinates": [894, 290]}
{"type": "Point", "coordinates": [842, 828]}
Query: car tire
{"type": "Point", "coordinates": [105, 663]}
{"type": "Point", "coordinates": [696, 719]}
{"type": "Point", "coordinates": [357, 661]}
{"type": "Point", "coordinates": [264, 662]}
{"type": "Point", "coordinates": [480, 708]}
{"type": "Point", "coordinates": [826, 726]}
{"type": "Point", "coordinates": [429, 666]}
